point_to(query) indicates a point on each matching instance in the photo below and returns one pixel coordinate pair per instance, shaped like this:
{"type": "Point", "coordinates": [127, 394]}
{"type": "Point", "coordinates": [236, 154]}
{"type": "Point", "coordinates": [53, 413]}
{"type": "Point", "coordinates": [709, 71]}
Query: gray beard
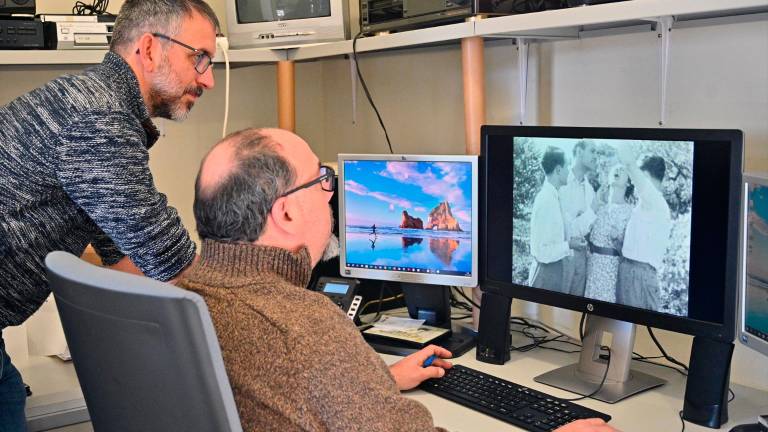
{"type": "Point", "coordinates": [331, 249]}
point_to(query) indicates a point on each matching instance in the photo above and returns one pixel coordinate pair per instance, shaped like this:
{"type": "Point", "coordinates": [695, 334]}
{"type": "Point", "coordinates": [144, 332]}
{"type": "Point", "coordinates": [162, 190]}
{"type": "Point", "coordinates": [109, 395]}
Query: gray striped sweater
{"type": "Point", "coordinates": [74, 170]}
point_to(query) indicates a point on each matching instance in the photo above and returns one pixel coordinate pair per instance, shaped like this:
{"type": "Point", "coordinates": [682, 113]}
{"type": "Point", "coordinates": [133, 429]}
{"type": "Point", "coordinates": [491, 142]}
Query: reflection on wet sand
{"type": "Point", "coordinates": [410, 241]}
{"type": "Point", "coordinates": [443, 249]}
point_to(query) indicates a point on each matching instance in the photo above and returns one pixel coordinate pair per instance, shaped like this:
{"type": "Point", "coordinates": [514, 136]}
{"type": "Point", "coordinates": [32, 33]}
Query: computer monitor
{"type": "Point", "coordinates": [411, 219]}
{"type": "Point", "coordinates": [753, 306]}
{"type": "Point", "coordinates": [631, 226]}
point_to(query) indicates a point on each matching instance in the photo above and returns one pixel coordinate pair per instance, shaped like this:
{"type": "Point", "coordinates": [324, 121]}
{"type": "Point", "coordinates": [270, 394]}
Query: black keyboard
{"type": "Point", "coordinates": [509, 402]}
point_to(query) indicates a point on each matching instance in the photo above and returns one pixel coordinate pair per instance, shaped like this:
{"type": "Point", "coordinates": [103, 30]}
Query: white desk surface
{"type": "Point", "coordinates": [652, 411]}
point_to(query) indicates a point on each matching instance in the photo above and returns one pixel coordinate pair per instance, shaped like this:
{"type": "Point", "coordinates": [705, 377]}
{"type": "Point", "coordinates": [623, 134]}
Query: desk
{"type": "Point", "coordinates": [652, 411]}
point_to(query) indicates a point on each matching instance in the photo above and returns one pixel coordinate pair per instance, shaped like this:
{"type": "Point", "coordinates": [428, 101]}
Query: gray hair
{"type": "Point", "coordinates": [236, 209]}
{"type": "Point", "coordinates": [137, 17]}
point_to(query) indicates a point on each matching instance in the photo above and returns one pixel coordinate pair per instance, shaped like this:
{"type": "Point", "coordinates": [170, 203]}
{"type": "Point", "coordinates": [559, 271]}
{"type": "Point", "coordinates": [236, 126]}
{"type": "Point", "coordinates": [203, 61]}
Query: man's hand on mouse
{"type": "Point", "coordinates": [410, 371]}
{"type": "Point", "coordinates": [588, 425]}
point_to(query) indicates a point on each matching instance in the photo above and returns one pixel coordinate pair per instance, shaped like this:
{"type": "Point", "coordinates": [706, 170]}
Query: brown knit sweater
{"type": "Point", "coordinates": [294, 360]}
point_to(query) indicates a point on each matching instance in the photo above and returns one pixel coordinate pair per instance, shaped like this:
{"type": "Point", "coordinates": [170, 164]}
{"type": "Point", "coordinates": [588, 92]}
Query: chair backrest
{"type": "Point", "coordinates": [145, 352]}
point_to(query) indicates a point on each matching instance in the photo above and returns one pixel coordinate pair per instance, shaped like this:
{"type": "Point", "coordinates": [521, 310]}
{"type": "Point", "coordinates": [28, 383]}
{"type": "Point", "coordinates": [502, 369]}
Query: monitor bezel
{"type": "Point", "coordinates": [745, 337]}
{"type": "Point", "coordinates": [398, 276]}
{"type": "Point", "coordinates": [724, 331]}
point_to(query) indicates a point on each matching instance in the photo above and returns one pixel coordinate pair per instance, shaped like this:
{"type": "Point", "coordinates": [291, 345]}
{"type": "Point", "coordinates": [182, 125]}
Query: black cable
{"type": "Point", "coordinates": [664, 353]}
{"type": "Point", "coordinates": [581, 326]}
{"type": "Point", "coordinates": [456, 303]}
{"type": "Point", "coordinates": [681, 420]}
{"type": "Point", "coordinates": [367, 92]}
{"type": "Point", "coordinates": [378, 310]}
{"type": "Point", "coordinates": [461, 293]}
{"type": "Point", "coordinates": [678, 370]}
{"type": "Point", "coordinates": [602, 382]}
{"type": "Point", "coordinates": [98, 7]}
{"type": "Point", "coordinates": [675, 361]}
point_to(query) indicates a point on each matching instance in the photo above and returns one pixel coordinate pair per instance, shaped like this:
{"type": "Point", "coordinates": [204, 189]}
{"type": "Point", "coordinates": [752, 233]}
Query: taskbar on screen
{"type": "Point", "coordinates": [757, 333]}
{"type": "Point", "coordinates": [409, 269]}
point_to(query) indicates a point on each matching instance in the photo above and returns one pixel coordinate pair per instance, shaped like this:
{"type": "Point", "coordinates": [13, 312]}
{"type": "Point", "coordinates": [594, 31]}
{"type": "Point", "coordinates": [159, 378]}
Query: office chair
{"type": "Point", "coordinates": [145, 352]}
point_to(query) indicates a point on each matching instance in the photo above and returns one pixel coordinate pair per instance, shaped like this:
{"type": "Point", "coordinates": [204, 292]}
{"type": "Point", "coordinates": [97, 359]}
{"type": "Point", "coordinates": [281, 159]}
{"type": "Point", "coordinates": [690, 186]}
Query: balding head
{"type": "Point", "coordinates": [239, 180]}
{"type": "Point", "coordinates": [265, 186]}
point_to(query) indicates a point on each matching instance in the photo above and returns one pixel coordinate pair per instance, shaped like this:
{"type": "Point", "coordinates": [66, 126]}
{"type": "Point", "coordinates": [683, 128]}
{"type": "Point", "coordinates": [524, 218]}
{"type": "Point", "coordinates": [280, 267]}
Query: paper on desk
{"type": "Point", "coordinates": [392, 323]}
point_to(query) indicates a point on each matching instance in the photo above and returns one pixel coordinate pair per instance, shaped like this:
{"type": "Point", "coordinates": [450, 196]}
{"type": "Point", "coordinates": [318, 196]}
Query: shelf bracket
{"type": "Point", "coordinates": [353, 76]}
{"type": "Point", "coordinates": [664, 33]}
{"type": "Point", "coordinates": [522, 67]}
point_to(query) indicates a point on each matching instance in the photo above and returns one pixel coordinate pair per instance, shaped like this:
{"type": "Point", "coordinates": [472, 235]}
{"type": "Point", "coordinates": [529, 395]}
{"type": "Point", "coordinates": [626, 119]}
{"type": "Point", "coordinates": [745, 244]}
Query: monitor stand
{"type": "Point", "coordinates": [584, 377]}
{"type": "Point", "coordinates": [432, 304]}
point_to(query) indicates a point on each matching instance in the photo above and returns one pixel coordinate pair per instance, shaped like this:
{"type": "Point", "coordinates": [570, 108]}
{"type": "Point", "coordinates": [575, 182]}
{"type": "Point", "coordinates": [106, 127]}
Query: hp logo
{"type": "Point", "coordinates": [590, 308]}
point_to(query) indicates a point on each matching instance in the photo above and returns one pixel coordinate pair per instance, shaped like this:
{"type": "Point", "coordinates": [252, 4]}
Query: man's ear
{"type": "Point", "coordinates": [284, 215]}
{"type": "Point", "coordinates": [149, 52]}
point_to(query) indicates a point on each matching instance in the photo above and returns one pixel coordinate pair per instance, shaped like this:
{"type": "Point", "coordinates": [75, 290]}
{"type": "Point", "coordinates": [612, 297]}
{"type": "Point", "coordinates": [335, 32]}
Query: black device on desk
{"type": "Point", "coordinates": [342, 293]}
{"type": "Point", "coordinates": [509, 402]}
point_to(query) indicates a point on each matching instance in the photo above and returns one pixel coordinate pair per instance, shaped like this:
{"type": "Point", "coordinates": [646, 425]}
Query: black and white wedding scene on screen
{"type": "Point", "coordinates": [605, 219]}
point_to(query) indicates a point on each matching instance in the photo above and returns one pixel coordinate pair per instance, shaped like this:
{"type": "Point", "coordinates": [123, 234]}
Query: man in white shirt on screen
{"type": "Point", "coordinates": [549, 246]}
{"type": "Point", "coordinates": [647, 234]}
{"type": "Point", "coordinates": [576, 201]}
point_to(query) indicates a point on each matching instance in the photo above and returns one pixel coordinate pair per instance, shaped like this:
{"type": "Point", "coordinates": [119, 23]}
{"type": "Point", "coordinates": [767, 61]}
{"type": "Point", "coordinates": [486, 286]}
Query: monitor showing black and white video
{"type": "Point", "coordinates": [604, 219]}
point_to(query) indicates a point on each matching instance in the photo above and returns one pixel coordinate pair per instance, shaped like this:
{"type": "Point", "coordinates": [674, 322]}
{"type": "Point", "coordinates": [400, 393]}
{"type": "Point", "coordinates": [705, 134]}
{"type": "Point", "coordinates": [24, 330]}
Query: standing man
{"type": "Point", "coordinates": [74, 164]}
{"type": "Point", "coordinates": [549, 244]}
{"type": "Point", "coordinates": [647, 235]}
{"type": "Point", "coordinates": [576, 200]}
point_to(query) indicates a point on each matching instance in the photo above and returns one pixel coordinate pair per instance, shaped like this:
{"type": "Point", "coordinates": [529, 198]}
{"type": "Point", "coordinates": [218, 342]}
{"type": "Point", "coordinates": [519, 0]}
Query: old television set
{"type": "Point", "coordinates": [263, 23]}
{"type": "Point", "coordinates": [411, 219]}
{"type": "Point", "coordinates": [687, 279]}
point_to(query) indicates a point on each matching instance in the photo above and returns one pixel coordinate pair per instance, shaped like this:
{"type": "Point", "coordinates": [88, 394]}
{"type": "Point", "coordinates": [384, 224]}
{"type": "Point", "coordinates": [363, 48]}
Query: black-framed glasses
{"type": "Point", "coordinates": [202, 59]}
{"type": "Point", "coordinates": [326, 181]}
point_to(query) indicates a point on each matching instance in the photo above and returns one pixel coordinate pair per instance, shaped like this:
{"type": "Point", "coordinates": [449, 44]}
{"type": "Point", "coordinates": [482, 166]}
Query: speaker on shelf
{"type": "Point", "coordinates": [17, 7]}
{"type": "Point", "coordinates": [493, 337]}
{"type": "Point", "coordinates": [706, 390]}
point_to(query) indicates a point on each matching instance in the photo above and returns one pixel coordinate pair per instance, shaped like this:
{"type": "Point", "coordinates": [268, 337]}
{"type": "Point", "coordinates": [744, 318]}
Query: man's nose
{"type": "Point", "coordinates": [205, 79]}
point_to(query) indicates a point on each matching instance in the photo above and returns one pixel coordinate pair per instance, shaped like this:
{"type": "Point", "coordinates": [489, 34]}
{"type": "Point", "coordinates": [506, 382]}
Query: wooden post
{"type": "Point", "coordinates": [286, 95]}
{"type": "Point", "coordinates": [473, 72]}
{"type": "Point", "coordinates": [473, 67]}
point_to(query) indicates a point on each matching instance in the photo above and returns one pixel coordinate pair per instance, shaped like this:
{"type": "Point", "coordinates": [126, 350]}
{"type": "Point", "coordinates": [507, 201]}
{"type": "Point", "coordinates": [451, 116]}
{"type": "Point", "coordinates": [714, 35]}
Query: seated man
{"type": "Point", "coordinates": [294, 360]}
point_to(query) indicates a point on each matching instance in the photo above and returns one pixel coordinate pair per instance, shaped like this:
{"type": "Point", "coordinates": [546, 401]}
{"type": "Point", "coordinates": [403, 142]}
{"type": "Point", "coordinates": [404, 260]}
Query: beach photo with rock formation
{"type": "Point", "coordinates": [409, 216]}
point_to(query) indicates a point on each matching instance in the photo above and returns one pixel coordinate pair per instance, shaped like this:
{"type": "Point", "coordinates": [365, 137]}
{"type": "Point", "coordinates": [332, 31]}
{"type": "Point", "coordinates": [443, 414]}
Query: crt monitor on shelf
{"type": "Point", "coordinates": [262, 23]}
{"type": "Point", "coordinates": [410, 219]}
{"type": "Point", "coordinates": [631, 226]}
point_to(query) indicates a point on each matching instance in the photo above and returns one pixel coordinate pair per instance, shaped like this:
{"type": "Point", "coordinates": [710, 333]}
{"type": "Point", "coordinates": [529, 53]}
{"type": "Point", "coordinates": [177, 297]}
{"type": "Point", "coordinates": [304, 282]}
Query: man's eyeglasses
{"type": "Point", "coordinates": [202, 59]}
{"type": "Point", "coordinates": [325, 180]}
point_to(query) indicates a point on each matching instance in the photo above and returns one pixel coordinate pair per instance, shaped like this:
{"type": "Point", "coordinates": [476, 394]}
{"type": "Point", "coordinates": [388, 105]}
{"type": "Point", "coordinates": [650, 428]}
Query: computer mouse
{"type": "Point", "coordinates": [749, 427]}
